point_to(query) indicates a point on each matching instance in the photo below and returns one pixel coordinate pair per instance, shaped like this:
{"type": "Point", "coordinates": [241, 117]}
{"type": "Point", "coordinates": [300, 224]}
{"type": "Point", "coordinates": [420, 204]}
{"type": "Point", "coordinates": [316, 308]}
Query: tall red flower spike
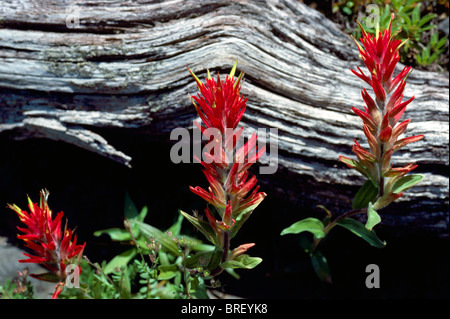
{"type": "Point", "coordinates": [54, 249]}
{"type": "Point", "coordinates": [221, 107]}
{"type": "Point", "coordinates": [381, 115]}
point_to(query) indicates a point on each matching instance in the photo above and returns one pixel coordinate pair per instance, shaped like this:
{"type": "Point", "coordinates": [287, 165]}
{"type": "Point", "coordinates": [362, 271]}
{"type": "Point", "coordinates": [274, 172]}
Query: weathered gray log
{"type": "Point", "coordinates": [68, 67]}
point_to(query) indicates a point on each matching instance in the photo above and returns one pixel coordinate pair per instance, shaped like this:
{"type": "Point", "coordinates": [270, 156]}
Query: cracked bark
{"type": "Point", "coordinates": [124, 67]}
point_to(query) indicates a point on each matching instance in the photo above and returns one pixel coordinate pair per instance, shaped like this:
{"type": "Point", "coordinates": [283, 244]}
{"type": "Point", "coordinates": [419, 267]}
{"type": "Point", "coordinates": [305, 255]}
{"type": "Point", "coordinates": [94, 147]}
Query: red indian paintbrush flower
{"type": "Point", "coordinates": [221, 106]}
{"type": "Point", "coordinates": [381, 115]}
{"type": "Point", "coordinates": [54, 249]}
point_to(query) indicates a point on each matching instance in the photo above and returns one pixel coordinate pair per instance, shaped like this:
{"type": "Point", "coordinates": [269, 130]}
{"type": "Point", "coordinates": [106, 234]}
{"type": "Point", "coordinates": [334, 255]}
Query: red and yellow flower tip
{"type": "Point", "coordinates": [381, 115]}
{"type": "Point", "coordinates": [219, 103]}
{"type": "Point", "coordinates": [53, 248]}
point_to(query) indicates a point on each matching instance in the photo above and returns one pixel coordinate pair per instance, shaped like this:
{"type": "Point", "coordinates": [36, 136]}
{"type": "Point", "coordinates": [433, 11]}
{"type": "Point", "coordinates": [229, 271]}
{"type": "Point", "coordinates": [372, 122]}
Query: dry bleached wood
{"type": "Point", "coordinates": [124, 66]}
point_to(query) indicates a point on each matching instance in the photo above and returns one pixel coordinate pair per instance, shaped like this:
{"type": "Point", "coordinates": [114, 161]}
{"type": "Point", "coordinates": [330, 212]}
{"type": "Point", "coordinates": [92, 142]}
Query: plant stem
{"type": "Point", "coordinates": [225, 252]}
{"type": "Point", "coordinates": [226, 245]}
{"type": "Point", "coordinates": [334, 223]}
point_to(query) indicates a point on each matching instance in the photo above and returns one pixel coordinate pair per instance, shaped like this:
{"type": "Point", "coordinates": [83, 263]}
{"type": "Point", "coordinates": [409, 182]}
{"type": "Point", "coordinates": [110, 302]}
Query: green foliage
{"type": "Point", "coordinates": [434, 48]}
{"type": "Point", "coordinates": [155, 264]}
{"type": "Point", "coordinates": [312, 225]}
{"type": "Point", "coordinates": [320, 266]}
{"type": "Point", "coordinates": [19, 288]}
{"type": "Point", "coordinates": [406, 182]}
{"type": "Point", "coordinates": [366, 194]}
{"type": "Point", "coordinates": [372, 217]}
{"type": "Point", "coordinates": [243, 261]}
{"type": "Point", "coordinates": [413, 22]}
{"type": "Point", "coordinates": [320, 230]}
{"type": "Point", "coordinates": [360, 230]}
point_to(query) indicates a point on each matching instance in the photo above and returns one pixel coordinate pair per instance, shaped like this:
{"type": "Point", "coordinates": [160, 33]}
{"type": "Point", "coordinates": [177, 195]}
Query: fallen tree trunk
{"type": "Point", "coordinates": [67, 70]}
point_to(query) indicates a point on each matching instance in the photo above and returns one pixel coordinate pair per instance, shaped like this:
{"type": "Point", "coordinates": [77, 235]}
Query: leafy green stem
{"type": "Point", "coordinates": [333, 223]}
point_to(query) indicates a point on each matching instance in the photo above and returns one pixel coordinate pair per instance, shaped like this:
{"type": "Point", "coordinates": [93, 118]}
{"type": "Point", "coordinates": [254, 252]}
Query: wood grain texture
{"type": "Point", "coordinates": [125, 67]}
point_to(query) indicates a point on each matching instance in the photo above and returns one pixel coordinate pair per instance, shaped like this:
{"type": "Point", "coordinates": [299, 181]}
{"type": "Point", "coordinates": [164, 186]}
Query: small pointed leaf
{"type": "Point", "coordinates": [204, 227]}
{"type": "Point", "coordinates": [116, 234]}
{"type": "Point", "coordinates": [366, 194]}
{"type": "Point", "coordinates": [130, 209]}
{"type": "Point", "coordinates": [372, 217]}
{"type": "Point", "coordinates": [360, 230]}
{"type": "Point", "coordinates": [320, 265]}
{"type": "Point", "coordinates": [48, 276]}
{"type": "Point", "coordinates": [312, 225]}
{"type": "Point", "coordinates": [406, 182]}
{"type": "Point", "coordinates": [120, 260]}
{"type": "Point", "coordinates": [243, 261]}
{"type": "Point", "coordinates": [166, 241]}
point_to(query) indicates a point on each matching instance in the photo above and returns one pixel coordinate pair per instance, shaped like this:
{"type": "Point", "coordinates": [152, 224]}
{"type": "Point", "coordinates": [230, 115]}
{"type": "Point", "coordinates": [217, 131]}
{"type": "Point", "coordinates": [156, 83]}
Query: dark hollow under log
{"type": "Point", "coordinates": [69, 69]}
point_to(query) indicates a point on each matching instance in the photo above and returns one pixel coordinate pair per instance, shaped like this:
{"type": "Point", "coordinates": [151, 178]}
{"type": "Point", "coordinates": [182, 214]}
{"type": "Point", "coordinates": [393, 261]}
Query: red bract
{"type": "Point", "coordinates": [221, 107]}
{"type": "Point", "coordinates": [53, 248]}
{"type": "Point", "coordinates": [382, 114]}
{"type": "Point", "coordinates": [219, 103]}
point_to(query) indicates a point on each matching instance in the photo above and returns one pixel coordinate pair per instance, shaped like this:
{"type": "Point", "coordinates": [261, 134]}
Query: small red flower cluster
{"type": "Point", "coordinates": [221, 107]}
{"type": "Point", "coordinates": [381, 116]}
{"type": "Point", "coordinates": [54, 249]}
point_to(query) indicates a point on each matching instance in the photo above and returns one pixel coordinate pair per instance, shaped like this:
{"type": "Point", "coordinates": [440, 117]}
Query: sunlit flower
{"type": "Point", "coordinates": [381, 115]}
{"type": "Point", "coordinates": [53, 247]}
{"type": "Point", "coordinates": [221, 106]}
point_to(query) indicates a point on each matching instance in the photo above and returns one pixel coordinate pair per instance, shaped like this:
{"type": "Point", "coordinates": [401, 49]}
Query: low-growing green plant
{"type": "Point", "coordinates": [412, 22]}
{"type": "Point", "coordinates": [18, 288]}
{"type": "Point", "coordinates": [382, 128]}
{"type": "Point", "coordinates": [432, 50]}
{"type": "Point", "coordinates": [155, 264]}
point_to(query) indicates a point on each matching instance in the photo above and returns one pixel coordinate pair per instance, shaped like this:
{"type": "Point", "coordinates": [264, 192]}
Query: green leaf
{"type": "Point", "coordinates": [372, 217]}
{"type": "Point", "coordinates": [130, 210]}
{"type": "Point", "coordinates": [120, 260]}
{"type": "Point", "coordinates": [425, 54]}
{"type": "Point", "coordinates": [167, 272]}
{"type": "Point", "coordinates": [433, 57]}
{"type": "Point", "coordinates": [241, 218]}
{"type": "Point", "coordinates": [312, 225]}
{"type": "Point", "coordinates": [366, 194]}
{"type": "Point", "coordinates": [167, 243]}
{"type": "Point", "coordinates": [142, 214]}
{"type": "Point", "coordinates": [201, 247]}
{"type": "Point", "coordinates": [232, 273]}
{"type": "Point", "coordinates": [406, 182]}
{"type": "Point", "coordinates": [406, 19]}
{"type": "Point", "coordinates": [360, 230]}
{"type": "Point", "coordinates": [243, 261]}
{"type": "Point", "coordinates": [215, 259]}
{"type": "Point", "coordinates": [441, 43]}
{"type": "Point", "coordinates": [320, 265]}
{"type": "Point", "coordinates": [47, 276]}
{"type": "Point", "coordinates": [419, 59]}
{"type": "Point", "coordinates": [347, 10]}
{"type": "Point", "coordinates": [175, 229]}
{"type": "Point", "coordinates": [116, 234]}
{"type": "Point", "coordinates": [433, 39]}
{"type": "Point", "coordinates": [124, 285]}
{"type": "Point", "coordinates": [426, 18]}
{"type": "Point", "coordinates": [416, 15]}
{"type": "Point", "coordinates": [428, 27]}
{"type": "Point", "coordinates": [193, 261]}
{"type": "Point", "coordinates": [204, 227]}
